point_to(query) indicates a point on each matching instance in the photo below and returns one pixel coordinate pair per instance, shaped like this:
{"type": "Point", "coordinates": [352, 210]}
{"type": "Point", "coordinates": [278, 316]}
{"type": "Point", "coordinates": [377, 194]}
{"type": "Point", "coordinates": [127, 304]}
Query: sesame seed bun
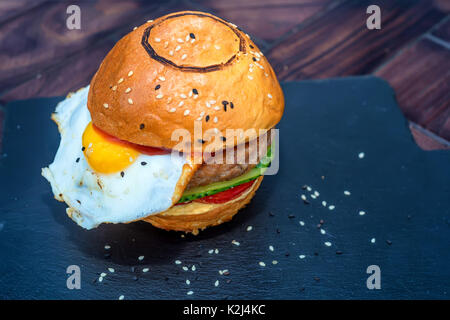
{"type": "Point", "coordinates": [196, 216]}
{"type": "Point", "coordinates": [183, 68]}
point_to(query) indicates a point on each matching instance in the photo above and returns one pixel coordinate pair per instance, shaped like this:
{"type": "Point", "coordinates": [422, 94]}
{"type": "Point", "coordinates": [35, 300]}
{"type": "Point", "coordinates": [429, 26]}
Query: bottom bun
{"type": "Point", "coordinates": [195, 216]}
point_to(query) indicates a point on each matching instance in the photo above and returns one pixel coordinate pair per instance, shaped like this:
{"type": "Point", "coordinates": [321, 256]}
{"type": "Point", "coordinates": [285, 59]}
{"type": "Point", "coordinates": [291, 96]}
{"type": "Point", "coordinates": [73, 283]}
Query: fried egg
{"type": "Point", "coordinates": [106, 181]}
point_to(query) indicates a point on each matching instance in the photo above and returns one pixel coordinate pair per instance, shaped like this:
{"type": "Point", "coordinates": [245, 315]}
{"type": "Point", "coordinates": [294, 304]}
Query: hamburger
{"type": "Point", "coordinates": [149, 138]}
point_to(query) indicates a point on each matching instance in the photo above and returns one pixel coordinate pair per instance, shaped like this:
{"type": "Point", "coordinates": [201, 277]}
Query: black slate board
{"type": "Point", "coordinates": [404, 190]}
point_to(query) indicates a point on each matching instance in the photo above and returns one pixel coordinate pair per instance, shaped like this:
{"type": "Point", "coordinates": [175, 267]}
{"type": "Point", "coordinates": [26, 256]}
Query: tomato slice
{"type": "Point", "coordinates": [150, 151]}
{"type": "Point", "coordinates": [227, 195]}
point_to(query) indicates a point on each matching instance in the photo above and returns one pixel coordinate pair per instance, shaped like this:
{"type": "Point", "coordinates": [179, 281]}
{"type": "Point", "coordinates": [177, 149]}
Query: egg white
{"type": "Point", "coordinates": [95, 198]}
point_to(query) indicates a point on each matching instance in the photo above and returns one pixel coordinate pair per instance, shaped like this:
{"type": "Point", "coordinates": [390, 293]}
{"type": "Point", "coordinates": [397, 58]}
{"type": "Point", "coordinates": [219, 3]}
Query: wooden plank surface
{"type": "Point", "coordinates": [302, 39]}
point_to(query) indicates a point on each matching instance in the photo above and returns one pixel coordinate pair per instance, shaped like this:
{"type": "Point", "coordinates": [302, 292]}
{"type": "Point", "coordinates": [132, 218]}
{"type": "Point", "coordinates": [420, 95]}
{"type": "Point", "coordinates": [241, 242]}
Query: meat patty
{"type": "Point", "coordinates": [210, 173]}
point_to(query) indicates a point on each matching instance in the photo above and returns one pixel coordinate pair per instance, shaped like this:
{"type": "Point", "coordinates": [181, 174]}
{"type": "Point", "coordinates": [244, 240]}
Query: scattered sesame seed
{"type": "Point", "coordinates": [159, 96]}
{"type": "Point", "coordinates": [188, 282]}
{"type": "Point", "coordinates": [212, 101]}
{"type": "Point", "coordinates": [171, 53]}
{"type": "Point", "coordinates": [166, 44]}
{"type": "Point", "coordinates": [211, 251]}
{"type": "Point", "coordinates": [130, 73]}
{"type": "Point", "coordinates": [128, 90]}
{"type": "Point", "coordinates": [120, 80]}
{"type": "Point", "coordinates": [185, 268]}
{"type": "Point", "coordinates": [177, 262]}
{"type": "Point", "coordinates": [157, 40]}
{"type": "Point", "coordinates": [114, 88]}
{"type": "Point", "coordinates": [107, 247]}
{"type": "Point", "coordinates": [186, 112]}
{"type": "Point", "coordinates": [149, 20]}
{"type": "Point", "coordinates": [100, 279]}
{"type": "Point", "coordinates": [249, 228]}
{"type": "Point", "coordinates": [183, 96]}
{"type": "Point", "coordinates": [183, 56]}
{"type": "Point", "coordinates": [215, 120]}
{"type": "Point", "coordinates": [236, 243]}
{"type": "Point", "coordinates": [121, 297]}
{"type": "Point", "coordinates": [373, 240]}
{"type": "Point", "coordinates": [190, 293]}
{"type": "Point", "coordinates": [324, 203]}
{"type": "Point", "coordinates": [217, 47]}
{"type": "Point", "coordinates": [303, 197]}
{"type": "Point", "coordinates": [274, 262]}
{"type": "Point", "coordinates": [316, 193]}
{"type": "Point", "coordinates": [271, 248]}
{"type": "Point", "coordinates": [190, 94]}
{"type": "Point", "coordinates": [216, 108]}
{"type": "Point", "coordinates": [177, 48]}
{"type": "Point", "coordinates": [313, 196]}
{"type": "Point", "coordinates": [134, 28]}
{"type": "Point", "coordinates": [111, 270]}
{"type": "Point", "coordinates": [216, 251]}
{"type": "Point", "coordinates": [193, 268]}
{"type": "Point", "coordinates": [181, 103]}
{"type": "Point", "coordinates": [262, 264]}
{"type": "Point", "coordinates": [216, 284]}
{"type": "Point", "coordinates": [322, 231]}
{"type": "Point", "coordinates": [361, 213]}
{"type": "Point", "coordinates": [269, 95]}
{"type": "Point", "coordinates": [361, 155]}
{"type": "Point", "coordinates": [347, 193]}
{"type": "Point", "coordinates": [140, 258]}
{"type": "Point", "coordinates": [301, 223]}
{"type": "Point", "coordinates": [328, 244]}
{"type": "Point", "coordinates": [302, 256]}
{"type": "Point", "coordinates": [179, 40]}
{"type": "Point", "coordinates": [331, 207]}
{"type": "Point", "coordinates": [250, 77]}
{"type": "Point", "coordinates": [187, 38]}
{"type": "Point", "coordinates": [162, 78]}
{"type": "Point", "coordinates": [145, 270]}
{"type": "Point", "coordinates": [106, 105]}
{"type": "Point", "coordinates": [102, 274]}
{"type": "Point", "coordinates": [130, 101]}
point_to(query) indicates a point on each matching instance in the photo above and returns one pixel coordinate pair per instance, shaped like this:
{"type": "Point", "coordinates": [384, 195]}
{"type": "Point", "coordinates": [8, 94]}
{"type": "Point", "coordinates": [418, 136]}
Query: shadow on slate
{"type": "Point", "coordinates": [404, 191]}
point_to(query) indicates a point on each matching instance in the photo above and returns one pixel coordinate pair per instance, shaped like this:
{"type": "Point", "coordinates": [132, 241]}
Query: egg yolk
{"type": "Point", "coordinates": [106, 154]}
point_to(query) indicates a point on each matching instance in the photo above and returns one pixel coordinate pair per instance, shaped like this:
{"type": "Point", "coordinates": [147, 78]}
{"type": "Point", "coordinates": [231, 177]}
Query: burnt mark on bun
{"type": "Point", "coordinates": [152, 53]}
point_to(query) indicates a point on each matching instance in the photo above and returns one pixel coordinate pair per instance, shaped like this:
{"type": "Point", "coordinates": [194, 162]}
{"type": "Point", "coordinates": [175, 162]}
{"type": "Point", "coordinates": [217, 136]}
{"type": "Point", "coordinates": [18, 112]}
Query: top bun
{"type": "Point", "coordinates": [183, 68]}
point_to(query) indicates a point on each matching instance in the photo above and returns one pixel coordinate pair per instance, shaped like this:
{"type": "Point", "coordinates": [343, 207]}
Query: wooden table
{"type": "Point", "coordinates": [303, 39]}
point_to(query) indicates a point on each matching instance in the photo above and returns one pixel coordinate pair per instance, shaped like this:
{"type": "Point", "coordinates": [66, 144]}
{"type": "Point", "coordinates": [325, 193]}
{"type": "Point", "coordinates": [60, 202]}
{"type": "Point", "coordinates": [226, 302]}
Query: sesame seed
{"type": "Point", "coordinates": [303, 197]}
{"type": "Point", "coordinates": [274, 262]}
{"type": "Point", "coordinates": [271, 248]}
{"type": "Point", "coordinates": [120, 80]}
{"type": "Point", "coordinates": [177, 262]}
{"type": "Point", "coordinates": [128, 90]}
{"type": "Point", "coordinates": [193, 268]}
{"type": "Point", "coordinates": [181, 103]}
{"type": "Point", "coordinates": [145, 270]}
{"type": "Point", "coordinates": [316, 193]}
{"type": "Point", "coordinates": [100, 279]}
{"type": "Point", "coordinates": [216, 251]}
{"type": "Point", "coordinates": [250, 77]}
{"type": "Point", "coordinates": [328, 244]}
{"type": "Point", "coordinates": [313, 196]}
{"type": "Point", "coordinates": [190, 293]}
{"type": "Point", "coordinates": [262, 264]}
{"type": "Point", "coordinates": [302, 256]}
{"type": "Point", "coordinates": [107, 247]}
{"type": "Point", "coordinates": [301, 223]}
{"type": "Point", "coordinates": [187, 38]}
{"type": "Point", "coordinates": [102, 274]}
{"type": "Point", "coordinates": [324, 203]}
{"type": "Point", "coordinates": [114, 88]}
{"type": "Point", "coordinates": [111, 270]}
{"type": "Point", "coordinates": [308, 188]}
{"type": "Point", "coordinates": [157, 40]}
{"type": "Point", "coordinates": [130, 101]}
{"type": "Point", "coordinates": [121, 297]}
{"type": "Point", "coordinates": [212, 101]}
{"type": "Point", "coordinates": [211, 251]}
{"type": "Point", "coordinates": [185, 268]}
{"type": "Point", "coordinates": [188, 282]}
{"type": "Point", "coordinates": [140, 258]}
{"type": "Point", "coordinates": [183, 96]}
{"type": "Point", "coordinates": [361, 213]}
{"type": "Point", "coordinates": [183, 56]}
{"type": "Point", "coordinates": [179, 40]}
{"type": "Point", "coordinates": [162, 78]}
{"type": "Point", "coordinates": [217, 47]}
{"type": "Point", "coordinates": [130, 73]}
{"type": "Point", "coordinates": [186, 112]}
{"type": "Point", "coordinates": [190, 94]}
{"type": "Point", "coordinates": [347, 193]}
{"type": "Point", "coordinates": [216, 284]}
{"type": "Point", "coordinates": [216, 108]}
{"type": "Point", "coordinates": [171, 53]}
{"type": "Point", "coordinates": [361, 155]}
{"type": "Point", "coordinates": [134, 28]}
{"type": "Point", "coordinates": [159, 96]}
{"type": "Point", "coordinates": [322, 231]}
{"type": "Point", "coordinates": [373, 240]}
{"type": "Point", "coordinates": [331, 207]}
{"type": "Point", "coordinates": [149, 20]}
{"type": "Point", "coordinates": [249, 228]}
{"type": "Point", "coordinates": [215, 120]}
{"type": "Point", "coordinates": [106, 105]}
{"type": "Point", "coordinates": [177, 48]}
{"type": "Point", "coordinates": [166, 44]}
{"type": "Point", "coordinates": [269, 95]}
{"type": "Point", "coordinates": [236, 243]}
